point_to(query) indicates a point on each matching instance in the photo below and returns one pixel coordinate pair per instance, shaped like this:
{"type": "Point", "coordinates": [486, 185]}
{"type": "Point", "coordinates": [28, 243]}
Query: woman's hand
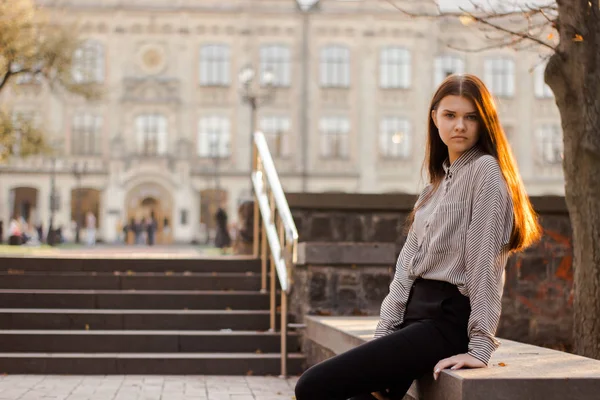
{"type": "Point", "coordinates": [457, 362]}
{"type": "Point", "coordinates": [379, 396]}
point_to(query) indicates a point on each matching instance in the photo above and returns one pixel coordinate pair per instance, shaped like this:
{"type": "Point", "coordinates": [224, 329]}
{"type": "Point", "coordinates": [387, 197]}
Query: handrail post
{"type": "Point", "coordinates": [263, 261]}
{"type": "Point", "coordinates": [283, 317]}
{"type": "Point", "coordinates": [273, 299]}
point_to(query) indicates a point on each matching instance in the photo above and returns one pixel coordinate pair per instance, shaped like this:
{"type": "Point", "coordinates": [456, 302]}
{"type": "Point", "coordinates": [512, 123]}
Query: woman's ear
{"type": "Point", "coordinates": [433, 117]}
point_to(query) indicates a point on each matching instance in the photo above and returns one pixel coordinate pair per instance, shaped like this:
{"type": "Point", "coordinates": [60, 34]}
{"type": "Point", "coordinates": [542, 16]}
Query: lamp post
{"type": "Point", "coordinates": [54, 197]}
{"type": "Point", "coordinates": [254, 97]}
{"type": "Point", "coordinates": [78, 171]}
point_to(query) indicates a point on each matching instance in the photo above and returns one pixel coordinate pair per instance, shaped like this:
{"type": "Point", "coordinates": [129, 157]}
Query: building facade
{"type": "Point", "coordinates": [348, 83]}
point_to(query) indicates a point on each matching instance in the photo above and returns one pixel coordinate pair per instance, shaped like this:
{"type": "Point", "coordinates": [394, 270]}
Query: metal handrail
{"type": "Point", "coordinates": [278, 231]}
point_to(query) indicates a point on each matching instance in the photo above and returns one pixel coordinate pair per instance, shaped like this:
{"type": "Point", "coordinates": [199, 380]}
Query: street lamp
{"type": "Point", "coordinates": [78, 171]}
{"type": "Point", "coordinates": [255, 97]}
{"type": "Point", "coordinates": [54, 197]}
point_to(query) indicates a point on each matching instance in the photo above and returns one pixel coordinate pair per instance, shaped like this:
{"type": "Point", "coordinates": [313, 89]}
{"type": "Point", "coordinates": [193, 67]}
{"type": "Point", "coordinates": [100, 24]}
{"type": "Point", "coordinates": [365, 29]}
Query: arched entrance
{"type": "Point", "coordinates": [150, 201]}
{"type": "Point", "coordinates": [23, 202]}
{"type": "Point", "coordinates": [84, 200]}
{"type": "Point", "coordinates": [210, 201]}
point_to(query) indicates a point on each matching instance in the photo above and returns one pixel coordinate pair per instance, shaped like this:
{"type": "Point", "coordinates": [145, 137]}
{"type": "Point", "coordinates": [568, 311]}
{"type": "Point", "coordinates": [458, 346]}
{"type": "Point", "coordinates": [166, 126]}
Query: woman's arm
{"type": "Point", "coordinates": [486, 254]}
{"type": "Point", "coordinates": [394, 304]}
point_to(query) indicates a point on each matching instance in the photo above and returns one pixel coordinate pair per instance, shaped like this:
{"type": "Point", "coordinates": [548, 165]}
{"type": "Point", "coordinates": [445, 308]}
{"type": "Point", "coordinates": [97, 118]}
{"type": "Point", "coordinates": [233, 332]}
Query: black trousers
{"type": "Point", "coordinates": [435, 327]}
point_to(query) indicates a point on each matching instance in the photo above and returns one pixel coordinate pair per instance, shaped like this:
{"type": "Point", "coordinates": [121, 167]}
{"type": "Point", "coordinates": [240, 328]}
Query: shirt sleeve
{"type": "Point", "coordinates": [486, 254]}
{"type": "Point", "coordinates": [394, 304]}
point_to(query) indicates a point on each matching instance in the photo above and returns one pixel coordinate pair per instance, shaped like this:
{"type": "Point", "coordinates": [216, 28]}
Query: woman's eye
{"type": "Point", "coordinates": [472, 117]}
{"type": "Point", "coordinates": [449, 115]}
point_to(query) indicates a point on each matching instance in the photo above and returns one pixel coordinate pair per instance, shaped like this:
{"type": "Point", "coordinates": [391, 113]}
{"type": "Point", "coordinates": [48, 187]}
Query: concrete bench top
{"type": "Point", "coordinates": [516, 370]}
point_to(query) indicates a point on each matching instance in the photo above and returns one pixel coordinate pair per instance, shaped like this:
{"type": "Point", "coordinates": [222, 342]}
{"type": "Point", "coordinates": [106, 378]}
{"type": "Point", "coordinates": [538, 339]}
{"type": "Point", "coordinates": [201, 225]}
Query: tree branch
{"type": "Point", "coordinates": [485, 18]}
{"type": "Point", "coordinates": [5, 78]}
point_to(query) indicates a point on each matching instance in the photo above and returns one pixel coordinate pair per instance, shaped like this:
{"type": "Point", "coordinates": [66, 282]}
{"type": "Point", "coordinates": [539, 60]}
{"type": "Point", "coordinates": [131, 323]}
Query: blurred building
{"type": "Point", "coordinates": [351, 86]}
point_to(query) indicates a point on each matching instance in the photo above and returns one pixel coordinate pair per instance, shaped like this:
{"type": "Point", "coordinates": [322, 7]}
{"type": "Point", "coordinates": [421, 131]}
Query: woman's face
{"type": "Point", "coordinates": [458, 124]}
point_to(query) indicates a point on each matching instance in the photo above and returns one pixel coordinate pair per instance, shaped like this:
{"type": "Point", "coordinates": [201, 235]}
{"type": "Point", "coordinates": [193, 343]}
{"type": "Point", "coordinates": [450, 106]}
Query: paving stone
{"type": "Point", "coordinates": [140, 387]}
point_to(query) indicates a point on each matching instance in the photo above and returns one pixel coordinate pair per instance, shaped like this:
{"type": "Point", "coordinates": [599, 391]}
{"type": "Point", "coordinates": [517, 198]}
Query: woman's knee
{"type": "Point", "coordinates": [310, 384]}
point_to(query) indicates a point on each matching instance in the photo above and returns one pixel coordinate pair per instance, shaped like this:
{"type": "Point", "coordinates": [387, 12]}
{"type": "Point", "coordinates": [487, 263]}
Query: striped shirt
{"type": "Point", "coordinates": [459, 236]}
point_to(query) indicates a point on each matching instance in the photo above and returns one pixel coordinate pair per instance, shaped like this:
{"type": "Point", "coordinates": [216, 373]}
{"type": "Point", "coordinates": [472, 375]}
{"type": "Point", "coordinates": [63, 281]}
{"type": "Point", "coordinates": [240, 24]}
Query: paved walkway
{"type": "Point", "coordinates": [145, 387]}
{"type": "Point", "coordinates": [115, 251]}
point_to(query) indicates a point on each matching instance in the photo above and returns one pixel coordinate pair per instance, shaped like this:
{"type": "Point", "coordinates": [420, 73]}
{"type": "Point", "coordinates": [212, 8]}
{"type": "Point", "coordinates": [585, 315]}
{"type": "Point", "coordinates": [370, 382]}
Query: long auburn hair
{"type": "Point", "coordinates": [492, 140]}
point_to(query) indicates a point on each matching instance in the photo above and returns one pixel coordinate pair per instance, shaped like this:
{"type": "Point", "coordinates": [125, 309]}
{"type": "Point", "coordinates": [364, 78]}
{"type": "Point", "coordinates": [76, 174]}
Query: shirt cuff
{"type": "Point", "coordinates": [383, 329]}
{"type": "Point", "coordinates": [482, 347]}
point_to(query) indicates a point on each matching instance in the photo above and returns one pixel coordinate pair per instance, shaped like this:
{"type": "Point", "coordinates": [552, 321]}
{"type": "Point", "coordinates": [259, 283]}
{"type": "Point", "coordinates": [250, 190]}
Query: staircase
{"type": "Point", "coordinates": [137, 316]}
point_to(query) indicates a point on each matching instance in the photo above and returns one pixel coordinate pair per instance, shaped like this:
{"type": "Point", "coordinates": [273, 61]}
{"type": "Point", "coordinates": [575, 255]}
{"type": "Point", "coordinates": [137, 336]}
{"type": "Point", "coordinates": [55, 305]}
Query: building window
{"type": "Point", "coordinates": [334, 137]}
{"type": "Point", "coordinates": [499, 76]}
{"type": "Point", "coordinates": [394, 68]}
{"type": "Point", "coordinates": [88, 63]}
{"type": "Point", "coordinates": [22, 122]}
{"type": "Point", "coordinates": [335, 66]}
{"type": "Point", "coordinates": [446, 65]}
{"type": "Point", "coordinates": [215, 65]}
{"type": "Point", "coordinates": [26, 78]}
{"type": "Point", "coordinates": [276, 131]}
{"type": "Point", "coordinates": [394, 138]}
{"type": "Point", "coordinates": [214, 137]}
{"type": "Point", "coordinates": [542, 91]}
{"type": "Point", "coordinates": [152, 131]}
{"type": "Point", "coordinates": [550, 144]}
{"type": "Point", "coordinates": [276, 59]}
{"type": "Point", "coordinates": [85, 134]}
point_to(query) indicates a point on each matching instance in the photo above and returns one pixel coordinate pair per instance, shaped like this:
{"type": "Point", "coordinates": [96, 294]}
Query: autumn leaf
{"type": "Point", "coordinates": [87, 327]}
{"type": "Point", "coordinates": [129, 272]}
{"type": "Point", "coordinates": [578, 38]}
{"type": "Point", "coordinates": [168, 273]}
{"type": "Point", "coordinates": [258, 351]}
{"type": "Point", "coordinates": [501, 364]}
{"type": "Point", "coordinates": [227, 308]}
{"type": "Point", "coordinates": [550, 36]}
{"type": "Point", "coordinates": [250, 372]}
{"type": "Point", "coordinates": [16, 272]}
{"type": "Point", "coordinates": [466, 20]}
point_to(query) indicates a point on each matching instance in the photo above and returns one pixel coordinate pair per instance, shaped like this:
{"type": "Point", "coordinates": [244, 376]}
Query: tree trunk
{"type": "Point", "coordinates": [573, 73]}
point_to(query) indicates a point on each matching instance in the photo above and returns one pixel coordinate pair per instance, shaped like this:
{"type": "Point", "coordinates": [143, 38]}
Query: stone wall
{"type": "Point", "coordinates": [537, 303]}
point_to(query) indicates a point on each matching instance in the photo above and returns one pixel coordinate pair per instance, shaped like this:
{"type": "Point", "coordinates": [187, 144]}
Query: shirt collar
{"type": "Point", "coordinates": [465, 158]}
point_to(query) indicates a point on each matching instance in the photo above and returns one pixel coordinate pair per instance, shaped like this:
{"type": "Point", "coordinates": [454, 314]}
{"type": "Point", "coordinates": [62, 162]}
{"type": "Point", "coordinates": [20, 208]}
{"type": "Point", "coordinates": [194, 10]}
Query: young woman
{"type": "Point", "coordinates": [444, 303]}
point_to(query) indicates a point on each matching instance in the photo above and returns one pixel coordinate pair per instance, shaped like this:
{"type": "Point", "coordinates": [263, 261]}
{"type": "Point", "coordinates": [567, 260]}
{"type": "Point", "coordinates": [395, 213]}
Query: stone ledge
{"type": "Point", "coordinates": [349, 253]}
{"type": "Point", "coordinates": [393, 202]}
{"type": "Point", "coordinates": [530, 372]}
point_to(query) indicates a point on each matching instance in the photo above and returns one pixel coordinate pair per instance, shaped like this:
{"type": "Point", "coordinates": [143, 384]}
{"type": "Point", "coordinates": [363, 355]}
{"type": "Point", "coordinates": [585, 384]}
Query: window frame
{"type": "Point", "coordinates": [214, 65]}
{"type": "Point", "coordinates": [389, 126]}
{"type": "Point", "coordinates": [276, 58]}
{"type": "Point", "coordinates": [213, 127]}
{"type": "Point", "coordinates": [86, 133]}
{"type": "Point", "coordinates": [159, 133]}
{"type": "Point", "coordinates": [334, 66]}
{"type": "Point", "coordinates": [500, 76]}
{"type": "Point", "coordinates": [339, 129]}
{"type": "Point", "coordinates": [395, 68]}
{"type": "Point", "coordinates": [89, 62]}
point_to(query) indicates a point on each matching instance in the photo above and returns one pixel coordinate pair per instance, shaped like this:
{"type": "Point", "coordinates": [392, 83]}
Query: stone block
{"type": "Point", "coordinates": [345, 253]}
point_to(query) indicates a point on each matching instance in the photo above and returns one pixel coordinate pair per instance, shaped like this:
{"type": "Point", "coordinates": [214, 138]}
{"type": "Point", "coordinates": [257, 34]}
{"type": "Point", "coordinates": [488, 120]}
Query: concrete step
{"type": "Point", "coordinates": [119, 263]}
{"type": "Point", "coordinates": [131, 280]}
{"type": "Point", "coordinates": [149, 363]}
{"type": "Point", "coordinates": [134, 299]}
{"type": "Point", "coordinates": [134, 341]}
{"type": "Point", "coordinates": [113, 319]}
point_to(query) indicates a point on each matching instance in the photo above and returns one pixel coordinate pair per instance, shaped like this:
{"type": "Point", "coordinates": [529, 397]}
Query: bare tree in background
{"type": "Point", "coordinates": [568, 31]}
{"type": "Point", "coordinates": [38, 51]}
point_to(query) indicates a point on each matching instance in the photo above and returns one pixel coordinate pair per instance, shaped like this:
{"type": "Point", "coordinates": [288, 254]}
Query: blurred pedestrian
{"type": "Point", "coordinates": [222, 238]}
